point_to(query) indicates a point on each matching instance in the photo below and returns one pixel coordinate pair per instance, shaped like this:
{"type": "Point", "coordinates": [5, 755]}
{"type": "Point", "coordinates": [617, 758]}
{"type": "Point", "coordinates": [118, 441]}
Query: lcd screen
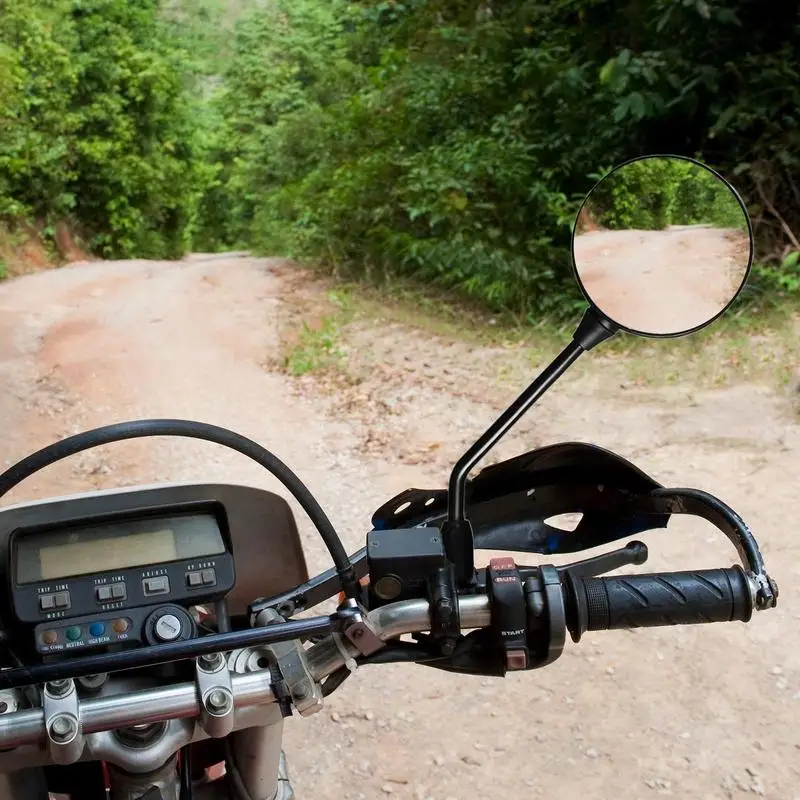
{"type": "Point", "coordinates": [133, 550]}
{"type": "Point", "coordinates": [116, 545]}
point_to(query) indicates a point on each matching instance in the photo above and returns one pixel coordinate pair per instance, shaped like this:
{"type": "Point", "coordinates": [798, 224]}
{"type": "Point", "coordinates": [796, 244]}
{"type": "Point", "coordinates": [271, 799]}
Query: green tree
{"type": "Point", "coordinates": [454, 141]}
{"type": "Point", "coordinates": [96, 124]}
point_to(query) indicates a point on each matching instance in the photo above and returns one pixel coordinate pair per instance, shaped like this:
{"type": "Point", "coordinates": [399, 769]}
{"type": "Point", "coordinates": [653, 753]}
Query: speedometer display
{"type": "Point", "coordinates": [134, 550]}
{"type": "Point", "coordinates": [80, 550]}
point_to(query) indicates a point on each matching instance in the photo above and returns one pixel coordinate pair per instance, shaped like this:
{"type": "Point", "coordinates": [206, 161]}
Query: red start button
{"type": "Point", "coordinates": [516, 659]}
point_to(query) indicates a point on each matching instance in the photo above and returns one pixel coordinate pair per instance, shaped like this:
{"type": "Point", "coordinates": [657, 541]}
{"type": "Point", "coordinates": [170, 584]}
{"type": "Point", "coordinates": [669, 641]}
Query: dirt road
{"type": "Point", "coordinates": [706, 712]}
{"type": "Point", "coordinates": [662, 281]}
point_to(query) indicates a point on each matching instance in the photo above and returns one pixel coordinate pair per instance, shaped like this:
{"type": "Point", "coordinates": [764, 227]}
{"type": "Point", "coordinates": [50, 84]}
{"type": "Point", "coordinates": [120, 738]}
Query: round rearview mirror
{"type": "Point", "coordinates": [662, 246]}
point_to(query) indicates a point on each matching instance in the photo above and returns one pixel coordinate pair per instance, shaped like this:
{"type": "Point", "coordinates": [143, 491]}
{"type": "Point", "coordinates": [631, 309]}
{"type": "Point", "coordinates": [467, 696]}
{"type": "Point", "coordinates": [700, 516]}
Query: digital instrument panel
{"type": "Point", "coordinates": [93, 584]}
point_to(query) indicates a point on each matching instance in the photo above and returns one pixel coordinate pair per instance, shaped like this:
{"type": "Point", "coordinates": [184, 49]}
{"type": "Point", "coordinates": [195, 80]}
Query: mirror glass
{"type": "Point", "coordinates": [662, 245]}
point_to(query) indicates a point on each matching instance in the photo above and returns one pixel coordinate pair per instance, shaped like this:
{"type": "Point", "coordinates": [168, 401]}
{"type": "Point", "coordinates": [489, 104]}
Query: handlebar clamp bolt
{"type": "Point", "coordinates": [218, 701]}
{"type": "Point", "coordinates": [8, 702]}
{"type": "Point", "coordinates": [93, 683]}
{"type": "Point", "coordinates": [59, 688]}
{"type": "Point", "coordinates": [63, 728]}
{"type": "Point", "coordinates": [210, 662]}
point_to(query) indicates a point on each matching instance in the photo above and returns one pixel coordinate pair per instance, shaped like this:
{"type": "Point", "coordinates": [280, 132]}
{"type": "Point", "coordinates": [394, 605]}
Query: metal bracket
{"type": "Point", "coordinates": [445, 616]}
{"type": "Point", "coordinates": [358, 630]}
{"type": "Point", "coordinates": [62, 718]}
{"type": "Point", "coordinates": [291, 661]}
{"type": "Point", "coordinates": [216, 695]}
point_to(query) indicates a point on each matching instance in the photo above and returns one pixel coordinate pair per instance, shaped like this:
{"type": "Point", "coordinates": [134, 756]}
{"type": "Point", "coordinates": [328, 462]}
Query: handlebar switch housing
{"type": "Point", "coordinates": [509, 612]}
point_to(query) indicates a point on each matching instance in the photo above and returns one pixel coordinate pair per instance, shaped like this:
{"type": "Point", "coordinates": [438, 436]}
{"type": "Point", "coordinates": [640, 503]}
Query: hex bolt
{"type": "Point", "coordinates": [93, 683]}
{"type": "Point", "coordinates": [300, 693]}
{"type": "Point", "coordinates": [141, 735]}
{"type": "Point", "coordinates": [8, 702]}
{"type": "Point", "coordinates": [358, 633]}
{"type": "Point", "coordinates": [445, 608]}
{"type": "Point", "coordinates": [218, 701]}
{"type": "Point", "coordinates": [210, 661]}
{"type": "Point", "coordinates": [59, 687]}
{"type": "Point", "coordinates": [62, 728]}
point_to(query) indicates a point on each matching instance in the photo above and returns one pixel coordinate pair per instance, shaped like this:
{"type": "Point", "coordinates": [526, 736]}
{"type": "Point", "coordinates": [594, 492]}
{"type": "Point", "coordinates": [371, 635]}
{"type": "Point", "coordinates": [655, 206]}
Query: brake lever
{"type": "Point", "coordinates": [633, 553]}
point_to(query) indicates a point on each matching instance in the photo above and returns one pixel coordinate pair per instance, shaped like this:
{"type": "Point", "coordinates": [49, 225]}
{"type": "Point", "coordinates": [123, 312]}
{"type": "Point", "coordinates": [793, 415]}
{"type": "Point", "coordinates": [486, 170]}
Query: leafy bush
{"type": "Point", "coordinates": [448, 140]}
{"type": "Point", "coordinates": [453, 141]}
{"type": "Point", "coordinates": [96, 124]}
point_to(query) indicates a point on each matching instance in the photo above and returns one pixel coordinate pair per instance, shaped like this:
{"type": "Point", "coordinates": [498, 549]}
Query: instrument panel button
{"type": "Point", "coordinates": [194, 579]}
{"type": "Point", "coordinates": [61, 600]}
{"type": "Point", "coordinates": [158, 585]}
{"type": "Point", "coordinates": [209, 577]}
{"type": "Point", "coordinates": [47, 602]}
{"type": "Point", "coordinates": [50, 637]}
{"type": "Point", "coordinates": [104, 593]}
{"type": "Point", "coordinates": [97, 629]}
{"type": "Point", "coordinates": [118, 591]}
{"type": "Point", "coordinates": [120, 625]}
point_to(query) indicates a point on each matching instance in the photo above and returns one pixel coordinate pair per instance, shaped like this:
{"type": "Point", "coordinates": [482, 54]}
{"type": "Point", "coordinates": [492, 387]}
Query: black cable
{"type": "Point", "coordinates": [186, 774]}
{"type": "Point", "coordinates": [222, 615]}
{"type": "Point", "coordinates": [334, 681]}
{"type": "Point", "coordinates": [399, 653]}
{"type": "Point", "coordinates": [163, 653]}
{"type": "Point", "coordinates": [138, 429]}
{"type": "Point", "coordinates": [402, 653]}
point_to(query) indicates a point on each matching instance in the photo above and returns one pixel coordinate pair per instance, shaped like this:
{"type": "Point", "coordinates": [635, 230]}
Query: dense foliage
{"type": "Point", "coordinates": [453, 140]}
{"type": "Point", "coordinates": [652, 193]}
{"type": "Point", "coordinates": [95, 124]}
{"type": "Point", "coordinates": [448, 140]}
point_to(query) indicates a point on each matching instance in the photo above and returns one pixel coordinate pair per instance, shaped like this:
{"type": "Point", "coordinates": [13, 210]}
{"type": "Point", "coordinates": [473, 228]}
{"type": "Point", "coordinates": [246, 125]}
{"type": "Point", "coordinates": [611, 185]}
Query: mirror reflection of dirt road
{"type": "Point", "coordinates": [662, 281]}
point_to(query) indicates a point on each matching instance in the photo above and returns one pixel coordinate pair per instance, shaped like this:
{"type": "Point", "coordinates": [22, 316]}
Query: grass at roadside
{"type": "Point", "coordinates": [315, 350]}
{"type": "Point", "coordinates": [315, 344]}
{"type": "Point", "coordinates": [749, 343]}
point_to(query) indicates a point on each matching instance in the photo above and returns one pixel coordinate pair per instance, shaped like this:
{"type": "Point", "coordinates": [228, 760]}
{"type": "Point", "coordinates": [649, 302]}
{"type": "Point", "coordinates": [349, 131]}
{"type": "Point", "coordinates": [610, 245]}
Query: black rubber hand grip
{"type": "Point", "coordinates": [666, 598]}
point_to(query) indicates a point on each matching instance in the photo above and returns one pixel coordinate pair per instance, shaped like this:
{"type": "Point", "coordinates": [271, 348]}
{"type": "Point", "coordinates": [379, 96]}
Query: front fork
{"type": "Point", "coordinates": [261, 763]}
{"type": "Point", "coordinates": [258, 772]}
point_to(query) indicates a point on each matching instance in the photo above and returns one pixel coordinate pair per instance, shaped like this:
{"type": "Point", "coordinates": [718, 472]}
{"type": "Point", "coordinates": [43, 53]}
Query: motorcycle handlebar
{"type": "Point", "coordinates": [27, 726]}
{"type": "Point", "coordinates": [604, 603]}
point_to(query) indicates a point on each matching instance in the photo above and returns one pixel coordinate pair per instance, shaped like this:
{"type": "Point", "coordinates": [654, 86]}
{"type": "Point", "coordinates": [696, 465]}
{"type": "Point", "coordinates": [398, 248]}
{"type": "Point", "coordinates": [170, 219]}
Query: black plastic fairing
{"type": "Point", "coordinates": [510, 501]}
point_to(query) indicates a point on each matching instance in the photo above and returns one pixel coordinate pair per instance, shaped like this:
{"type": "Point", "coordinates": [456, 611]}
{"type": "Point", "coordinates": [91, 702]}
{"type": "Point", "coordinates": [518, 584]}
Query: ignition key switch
{"type": "Point", "coordinates": [169, 623]}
